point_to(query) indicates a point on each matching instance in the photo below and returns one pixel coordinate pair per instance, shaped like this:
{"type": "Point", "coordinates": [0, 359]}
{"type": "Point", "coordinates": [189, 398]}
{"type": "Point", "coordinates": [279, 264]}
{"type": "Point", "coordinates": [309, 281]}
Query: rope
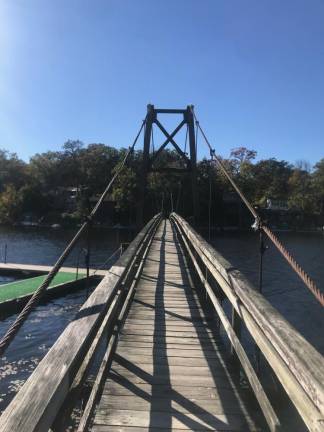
{"type": "Point", "coordinates": [34, 300]}
{"type": "Point", "coordinates": [310, 284]}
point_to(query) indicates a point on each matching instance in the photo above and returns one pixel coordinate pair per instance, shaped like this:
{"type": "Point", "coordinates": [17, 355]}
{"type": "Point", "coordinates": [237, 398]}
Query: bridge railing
{"type": "Point", "coordinates": [296, 363]}
{"type": "Point", "coordinates": [58, 377]}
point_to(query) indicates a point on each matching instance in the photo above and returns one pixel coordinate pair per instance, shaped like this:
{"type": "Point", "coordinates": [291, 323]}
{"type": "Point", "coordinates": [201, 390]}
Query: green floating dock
{"type": "Point", "coordinates": [20, 288]}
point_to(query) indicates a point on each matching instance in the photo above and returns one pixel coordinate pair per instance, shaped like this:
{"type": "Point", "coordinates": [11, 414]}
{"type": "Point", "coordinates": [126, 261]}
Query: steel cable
{"type": "Point", "coordinates": [34, 300]}
{"type": "Point", "coordinates": [308, 281]}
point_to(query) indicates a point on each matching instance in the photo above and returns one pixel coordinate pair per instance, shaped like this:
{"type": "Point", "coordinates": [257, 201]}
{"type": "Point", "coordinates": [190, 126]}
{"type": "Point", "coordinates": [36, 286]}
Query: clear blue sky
{"type": "Point", "coordinates": [86, 69]}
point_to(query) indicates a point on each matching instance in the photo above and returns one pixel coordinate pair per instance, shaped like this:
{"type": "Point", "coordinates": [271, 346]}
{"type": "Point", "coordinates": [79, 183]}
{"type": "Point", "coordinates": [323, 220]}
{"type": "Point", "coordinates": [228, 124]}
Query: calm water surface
{"type": "Point", "coordinates": [38, 246]}
{"type": "Point", "coordinates": [281, 286]}
{"type": "Point", "coordinates": [46, 322]}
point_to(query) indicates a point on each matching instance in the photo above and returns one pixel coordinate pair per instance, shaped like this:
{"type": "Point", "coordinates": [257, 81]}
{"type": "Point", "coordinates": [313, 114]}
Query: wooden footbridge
{"type": "Point", "coordinates": [149, 333]}
{"type": "Point", "coordinates": [147, 352]}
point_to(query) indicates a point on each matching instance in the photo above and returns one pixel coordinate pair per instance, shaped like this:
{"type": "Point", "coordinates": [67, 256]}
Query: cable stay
{"type": "Point", "coordinates": [260, 225]}
{"type": "Point", "coordinates": [38, 294]}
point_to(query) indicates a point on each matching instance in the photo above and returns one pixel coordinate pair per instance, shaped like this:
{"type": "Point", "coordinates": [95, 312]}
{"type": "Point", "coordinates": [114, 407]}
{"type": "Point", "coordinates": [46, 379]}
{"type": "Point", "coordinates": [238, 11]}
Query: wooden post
{"type": "Point", "coordinates": [237, 327]}
{"type": "Point", "coordinates": [193, 161]}
{"type": "Point", "coordinates": [145, 166]}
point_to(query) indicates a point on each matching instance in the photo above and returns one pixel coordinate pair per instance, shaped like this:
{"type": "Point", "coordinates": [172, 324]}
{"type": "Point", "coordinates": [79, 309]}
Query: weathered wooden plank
{"type": "Point", "coordinates": [198, 325]}
{"type": "Point", "coordinates": [171, 349]}
{"type": "Point", "coordinates": [176, 403]}
{"type": "Point", "coordinates": [159, 419]}
{"type": "Point", "coordinates": [171, 317]}
{"type": "Point", "coordinates": [181, 311]}
{"type": "Point", "coordinates": [180, 325]}
{"type": "Point", "coordinates": [220, 381]}
{"type": "Point", "coordinates": [121, 363]}
{"type": "Point", "coordinates": [165, 334]}
{"type": "Point", "coordinates": [162, 309]}
{"type": "Point", "coordinates": [110, 428]}
{"type": "Point", "coordinates": [158, 340]}
{"type": "Point", "coordinates": [117, 385]}
{"type": "Point", "coordinates": [172, 361]}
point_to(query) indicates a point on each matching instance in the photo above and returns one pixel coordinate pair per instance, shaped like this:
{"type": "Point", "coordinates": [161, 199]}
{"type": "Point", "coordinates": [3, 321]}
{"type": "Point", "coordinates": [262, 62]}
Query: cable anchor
{"type": "Point", "coordinates": [257, 224]}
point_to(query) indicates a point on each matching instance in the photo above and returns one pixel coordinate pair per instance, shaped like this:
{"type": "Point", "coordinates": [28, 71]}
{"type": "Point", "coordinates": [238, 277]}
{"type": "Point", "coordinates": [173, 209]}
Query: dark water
{"type": "Point", "coordinates": [33, 341]}
{"type": "Point", "coordinates": [46, 322]}
{"type": "Point", "coordinates": [43, 246]}
{"type": "Point", "coordinates": [281, 286]}
{"type": "Point", "coordinates": [36, 246]}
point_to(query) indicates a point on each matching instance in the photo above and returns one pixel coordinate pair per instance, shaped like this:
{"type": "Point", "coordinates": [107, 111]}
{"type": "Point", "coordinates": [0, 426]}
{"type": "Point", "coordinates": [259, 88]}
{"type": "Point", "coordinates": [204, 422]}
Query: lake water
{"type": "Point", "coordinates": [39, 246]}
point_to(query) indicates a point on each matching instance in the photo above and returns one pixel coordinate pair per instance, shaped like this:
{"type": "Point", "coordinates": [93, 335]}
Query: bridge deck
{"type": "Point", "coordinates": [170, 370]}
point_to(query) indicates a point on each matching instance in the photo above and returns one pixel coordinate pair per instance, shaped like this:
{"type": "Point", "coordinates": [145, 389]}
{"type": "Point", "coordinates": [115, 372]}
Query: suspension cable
{"type": "Point", "coordinates": [260, 225]}
{"type": "Point", "coordinates": [34, 300]}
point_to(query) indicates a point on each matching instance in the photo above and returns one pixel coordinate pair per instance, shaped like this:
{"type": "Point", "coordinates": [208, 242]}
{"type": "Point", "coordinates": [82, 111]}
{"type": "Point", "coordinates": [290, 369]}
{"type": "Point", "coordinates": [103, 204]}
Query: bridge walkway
{"type": "Point", "coordinates": [169, 370]}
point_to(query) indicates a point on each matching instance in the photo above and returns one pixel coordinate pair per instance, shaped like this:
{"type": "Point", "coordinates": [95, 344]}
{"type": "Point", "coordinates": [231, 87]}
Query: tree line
{"type": "Point", "coordinates": [39, 188]}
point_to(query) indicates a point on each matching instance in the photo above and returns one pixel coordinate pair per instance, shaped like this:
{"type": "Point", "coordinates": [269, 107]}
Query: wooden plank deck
{"type": "Point", "coordinates": [169, 371]}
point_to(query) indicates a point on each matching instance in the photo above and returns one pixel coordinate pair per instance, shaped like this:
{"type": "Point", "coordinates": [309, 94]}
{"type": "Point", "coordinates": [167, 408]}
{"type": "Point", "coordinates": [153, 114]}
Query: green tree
{"type": "Point", "coordinates": [318, 179]}
{"type": "Point", "coordinates": [271, 180]}
{"type": "Point", "coordinates": [97, 162]}
{"type": "Point", "coordinates": [46, 170]}
{"type": "Point", "coordinates": [10, 204]}
{"type": "Point", "coordinates": [12, 170]}
{"type": "Point", "coordinates": [301, 191]}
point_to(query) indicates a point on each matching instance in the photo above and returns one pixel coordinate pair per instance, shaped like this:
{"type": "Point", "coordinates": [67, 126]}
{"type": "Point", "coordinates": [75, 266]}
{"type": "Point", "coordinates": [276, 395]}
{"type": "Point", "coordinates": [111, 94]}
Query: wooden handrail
{"type": "Point", "coordinates": [296, 363]}
{"type": "Point", "coordinates": [38, 401]}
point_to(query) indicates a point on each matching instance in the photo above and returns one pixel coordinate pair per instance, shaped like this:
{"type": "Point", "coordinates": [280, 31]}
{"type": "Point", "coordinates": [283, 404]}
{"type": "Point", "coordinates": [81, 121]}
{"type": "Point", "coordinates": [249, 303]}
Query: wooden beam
{"type": "Point", "coordinates": [169, 111]}
{"type": "Point", "coordinates": [175, 145]}
{"type": "Point", "coordinates": [166, 142]}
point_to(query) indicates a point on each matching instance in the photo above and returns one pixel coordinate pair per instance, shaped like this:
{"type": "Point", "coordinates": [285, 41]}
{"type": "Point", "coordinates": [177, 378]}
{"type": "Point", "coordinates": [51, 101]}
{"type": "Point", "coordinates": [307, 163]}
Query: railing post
{"type": "Point", "coordinates": [237, 327]}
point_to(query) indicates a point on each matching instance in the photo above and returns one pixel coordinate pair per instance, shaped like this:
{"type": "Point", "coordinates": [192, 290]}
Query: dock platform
{"type": "Point", "coordinates": [12, 268]}
{"type": "Point", "coordinates": [19, 288]}
{"type": "Point", "coordinates": [14, 295]}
